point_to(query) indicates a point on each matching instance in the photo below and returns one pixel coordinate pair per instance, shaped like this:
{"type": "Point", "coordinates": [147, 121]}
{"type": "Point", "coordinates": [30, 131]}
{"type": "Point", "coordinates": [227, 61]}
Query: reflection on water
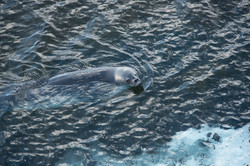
{"type": "Point", "coordinates": [192, 58]}
{"type": "Point", "coordinates": [137, 90]}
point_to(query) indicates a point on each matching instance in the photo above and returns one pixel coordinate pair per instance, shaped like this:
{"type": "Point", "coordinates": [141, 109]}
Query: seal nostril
{"type": "Point", "coordinates": [136, 80]}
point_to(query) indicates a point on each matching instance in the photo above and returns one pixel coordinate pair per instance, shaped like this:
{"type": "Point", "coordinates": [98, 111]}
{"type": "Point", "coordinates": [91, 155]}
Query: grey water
{"type": "Point", "coordinates": [193, 58]}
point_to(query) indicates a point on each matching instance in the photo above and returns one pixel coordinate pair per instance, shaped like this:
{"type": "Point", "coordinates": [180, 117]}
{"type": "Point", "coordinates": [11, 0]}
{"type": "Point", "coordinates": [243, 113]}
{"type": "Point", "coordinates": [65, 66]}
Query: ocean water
{"type": "Point", "coordinates": [192, 108]}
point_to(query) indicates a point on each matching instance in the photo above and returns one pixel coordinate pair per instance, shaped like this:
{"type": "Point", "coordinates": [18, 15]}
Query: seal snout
{"type": "Point", "coordinates": [137, 81]}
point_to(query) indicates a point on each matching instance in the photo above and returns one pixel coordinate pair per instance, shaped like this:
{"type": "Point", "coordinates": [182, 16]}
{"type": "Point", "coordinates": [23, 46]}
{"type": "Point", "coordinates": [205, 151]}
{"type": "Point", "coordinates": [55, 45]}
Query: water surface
{"type": "Point", "coordinates": [192, 58]}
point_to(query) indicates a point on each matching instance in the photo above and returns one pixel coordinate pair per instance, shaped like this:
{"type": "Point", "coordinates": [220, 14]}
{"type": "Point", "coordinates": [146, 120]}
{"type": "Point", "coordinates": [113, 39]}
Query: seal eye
{"type": "Point", "coordinates": [128, 81]}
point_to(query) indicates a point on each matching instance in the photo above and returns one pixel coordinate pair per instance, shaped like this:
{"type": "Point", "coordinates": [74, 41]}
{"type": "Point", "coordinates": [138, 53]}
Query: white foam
{"type": "Point", "coordinates": [192, 147]}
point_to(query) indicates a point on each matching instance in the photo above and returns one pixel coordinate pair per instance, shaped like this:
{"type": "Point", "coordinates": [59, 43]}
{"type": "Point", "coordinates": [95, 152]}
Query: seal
{"type": "Point", "coordinates": [118, 75]}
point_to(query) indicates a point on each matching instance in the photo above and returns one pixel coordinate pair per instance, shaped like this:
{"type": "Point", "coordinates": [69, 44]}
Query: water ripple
{"type": "Point", "coordinates": [192, 58]}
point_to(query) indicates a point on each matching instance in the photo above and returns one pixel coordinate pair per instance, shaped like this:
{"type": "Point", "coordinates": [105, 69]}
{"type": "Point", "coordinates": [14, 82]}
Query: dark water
{"type": "Point", "coordinates": [192, 57]}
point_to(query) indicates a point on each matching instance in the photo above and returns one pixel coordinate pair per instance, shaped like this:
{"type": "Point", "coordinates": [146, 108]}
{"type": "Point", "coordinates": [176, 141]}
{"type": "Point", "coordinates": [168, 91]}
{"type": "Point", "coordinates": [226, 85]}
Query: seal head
{"type": "Point", "coordinates": [126, 75]}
